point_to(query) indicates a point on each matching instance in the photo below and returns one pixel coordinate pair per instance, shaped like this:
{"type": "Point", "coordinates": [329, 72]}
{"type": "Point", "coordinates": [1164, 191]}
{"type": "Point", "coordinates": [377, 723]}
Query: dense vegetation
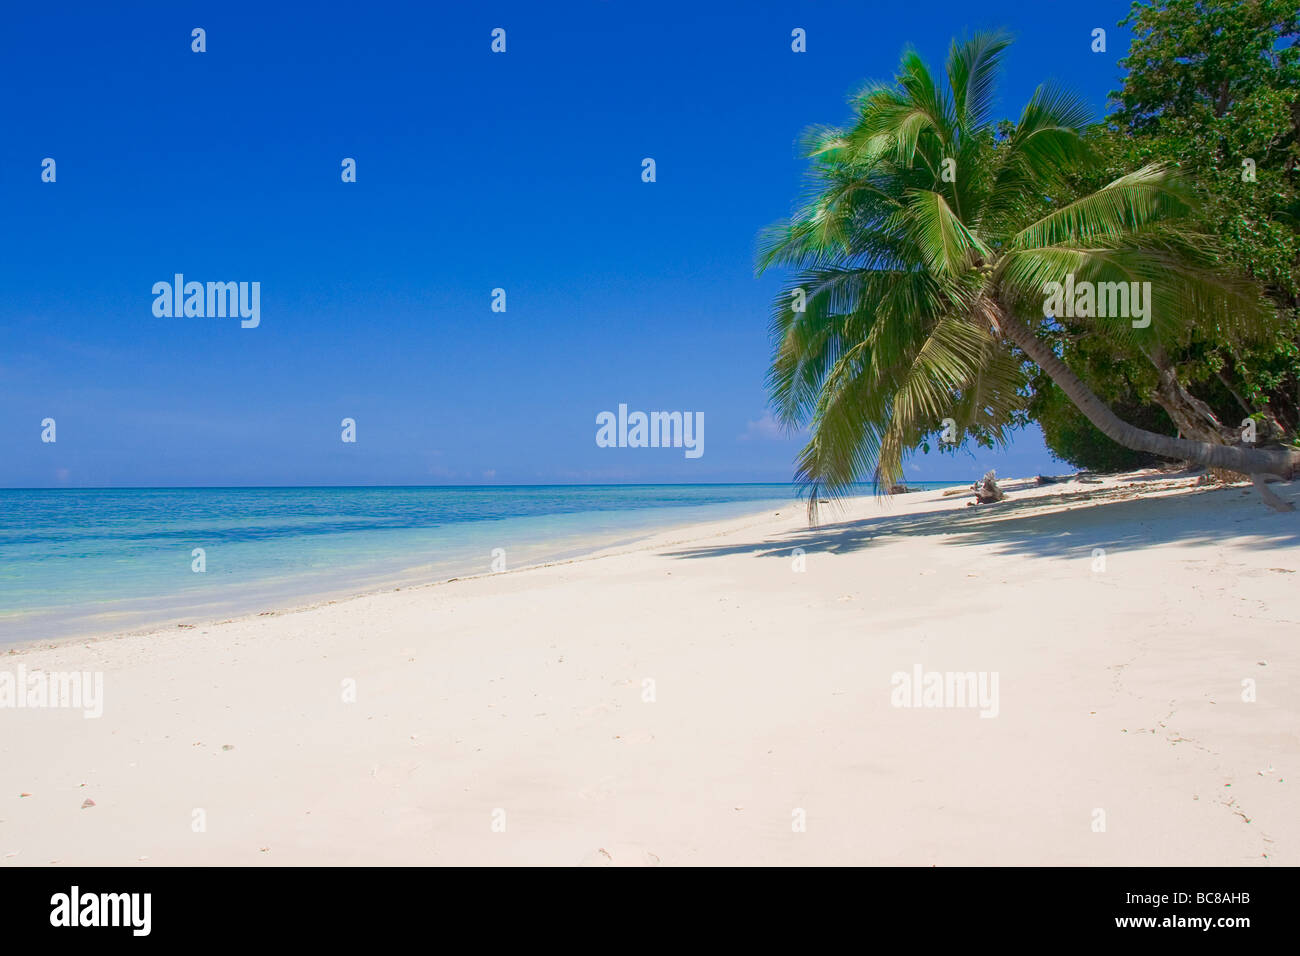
{"type": "Point", "coordinates": [1212, 88]}
{"type": "Point", "coordinates": [930, 234]}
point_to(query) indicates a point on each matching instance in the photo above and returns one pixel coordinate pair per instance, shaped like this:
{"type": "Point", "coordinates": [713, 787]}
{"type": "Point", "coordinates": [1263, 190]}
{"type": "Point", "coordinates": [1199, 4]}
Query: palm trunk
{"type": "Point", "coordinates": [1280, 462]}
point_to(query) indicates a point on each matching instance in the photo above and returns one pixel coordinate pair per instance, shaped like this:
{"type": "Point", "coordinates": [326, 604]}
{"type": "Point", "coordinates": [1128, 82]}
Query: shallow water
{"type": "Point", "coordinates": [96, 560]}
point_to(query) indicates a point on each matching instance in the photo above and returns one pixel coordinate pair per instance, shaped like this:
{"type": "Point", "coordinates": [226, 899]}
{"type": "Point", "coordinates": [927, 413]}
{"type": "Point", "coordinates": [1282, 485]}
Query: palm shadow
{"type": "Point", "coordinates": [1115, 518]}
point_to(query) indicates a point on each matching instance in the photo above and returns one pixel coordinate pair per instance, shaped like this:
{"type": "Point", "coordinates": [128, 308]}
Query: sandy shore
{"type": "Point", "coordinates": [506, 719]}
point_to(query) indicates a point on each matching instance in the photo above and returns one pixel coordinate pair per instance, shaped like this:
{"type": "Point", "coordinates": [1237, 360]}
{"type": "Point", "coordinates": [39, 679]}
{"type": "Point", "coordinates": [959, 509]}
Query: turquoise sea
{"type": "Point", "coordinates": [76, 561]}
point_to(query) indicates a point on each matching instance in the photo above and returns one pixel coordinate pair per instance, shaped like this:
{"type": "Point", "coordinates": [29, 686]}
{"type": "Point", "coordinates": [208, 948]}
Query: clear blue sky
{"type": "Point", "coordinates": [475, 171]}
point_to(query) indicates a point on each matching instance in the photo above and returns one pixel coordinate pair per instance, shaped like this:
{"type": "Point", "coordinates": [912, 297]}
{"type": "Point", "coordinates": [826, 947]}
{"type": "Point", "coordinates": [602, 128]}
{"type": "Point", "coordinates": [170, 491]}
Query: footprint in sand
{"type": "Point", "coordinates": [620, 854]}
{"type": "Point", "coordinates": [603, 789]}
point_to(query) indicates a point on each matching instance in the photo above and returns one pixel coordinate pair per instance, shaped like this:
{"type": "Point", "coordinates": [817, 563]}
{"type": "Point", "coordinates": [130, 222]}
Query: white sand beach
{"type": "Point", "coordinates": [505, 720]}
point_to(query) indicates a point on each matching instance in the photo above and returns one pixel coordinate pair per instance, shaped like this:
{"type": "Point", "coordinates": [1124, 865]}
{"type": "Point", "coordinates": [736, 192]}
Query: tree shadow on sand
{"type": "Point", "coordinates": [1117, 518]}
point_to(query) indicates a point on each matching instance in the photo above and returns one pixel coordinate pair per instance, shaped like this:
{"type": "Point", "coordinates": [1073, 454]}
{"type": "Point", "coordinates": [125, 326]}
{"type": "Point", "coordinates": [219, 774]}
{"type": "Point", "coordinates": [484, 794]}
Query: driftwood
{"type": "Point", "coordinates": [987, 490]}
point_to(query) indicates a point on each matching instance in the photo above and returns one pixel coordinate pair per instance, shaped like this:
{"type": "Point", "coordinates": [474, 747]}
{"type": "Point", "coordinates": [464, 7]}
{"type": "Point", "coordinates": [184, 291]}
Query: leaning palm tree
{"type": "Point", "coordinates": [923, 253]}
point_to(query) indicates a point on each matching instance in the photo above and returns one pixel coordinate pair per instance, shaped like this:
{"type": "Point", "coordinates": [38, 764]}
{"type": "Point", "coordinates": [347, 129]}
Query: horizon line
{"type": "Point", "coordinates": [597, 484]}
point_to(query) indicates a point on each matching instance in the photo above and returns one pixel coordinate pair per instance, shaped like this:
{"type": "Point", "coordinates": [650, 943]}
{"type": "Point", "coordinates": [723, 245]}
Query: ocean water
{"type": "Point", "coordinates": [93, 561]}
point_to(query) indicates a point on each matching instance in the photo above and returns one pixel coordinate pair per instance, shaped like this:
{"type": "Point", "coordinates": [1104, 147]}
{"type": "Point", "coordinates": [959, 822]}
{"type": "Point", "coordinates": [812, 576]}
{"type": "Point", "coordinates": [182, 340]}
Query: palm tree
{"type": "Point", "coordinates": [923, 252]}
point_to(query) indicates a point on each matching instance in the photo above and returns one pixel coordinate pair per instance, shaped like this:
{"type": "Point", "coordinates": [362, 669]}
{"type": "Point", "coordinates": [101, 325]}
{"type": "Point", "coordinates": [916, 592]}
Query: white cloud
{"type": "Point", "coordinates": [766, 428]}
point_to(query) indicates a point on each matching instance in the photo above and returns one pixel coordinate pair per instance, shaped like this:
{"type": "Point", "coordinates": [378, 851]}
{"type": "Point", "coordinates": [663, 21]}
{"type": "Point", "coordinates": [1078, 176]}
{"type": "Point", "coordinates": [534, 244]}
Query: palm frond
{"type": "Point", "coordinates": [972, 74]}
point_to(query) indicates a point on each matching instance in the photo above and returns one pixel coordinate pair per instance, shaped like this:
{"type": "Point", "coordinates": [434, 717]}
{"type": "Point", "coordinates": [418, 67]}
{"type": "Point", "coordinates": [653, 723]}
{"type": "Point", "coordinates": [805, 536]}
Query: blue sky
{"type": "Point", "coordinates": [475, 171]}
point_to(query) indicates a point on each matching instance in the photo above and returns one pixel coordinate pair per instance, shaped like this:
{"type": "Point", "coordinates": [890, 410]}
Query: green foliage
{"type": "Point", "coordinates": [1209, 85]}
{"type": "Point", "coordinates": [1212, 84]}
{"type": "Point", "coordinates": [1123, 379]}
{"type": "Point", "coordinates": [1074, 439]}
{"type": "Point", "coordinates": [924, 224]}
